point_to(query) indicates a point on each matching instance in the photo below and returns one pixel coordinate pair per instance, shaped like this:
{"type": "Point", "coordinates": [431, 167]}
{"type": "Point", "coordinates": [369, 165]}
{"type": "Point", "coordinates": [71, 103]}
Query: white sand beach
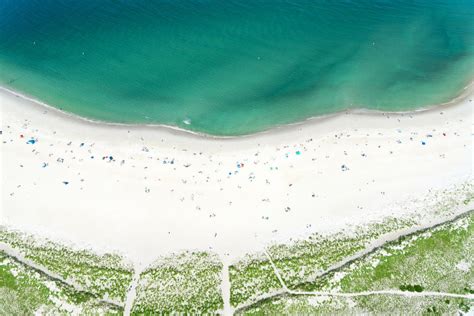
{"type": "Point", "coordinates": [145, 191]}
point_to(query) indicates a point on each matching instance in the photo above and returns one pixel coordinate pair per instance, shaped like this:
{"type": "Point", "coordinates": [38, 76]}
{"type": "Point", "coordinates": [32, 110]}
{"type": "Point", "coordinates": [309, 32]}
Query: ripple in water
{"type": "Point", "coordinates": [235, 67]}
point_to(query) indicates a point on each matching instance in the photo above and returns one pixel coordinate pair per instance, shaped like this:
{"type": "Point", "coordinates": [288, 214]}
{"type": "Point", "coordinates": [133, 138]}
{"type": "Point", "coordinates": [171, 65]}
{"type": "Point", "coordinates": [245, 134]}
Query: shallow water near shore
{"type": "Point", "coordinates": [235, 67]}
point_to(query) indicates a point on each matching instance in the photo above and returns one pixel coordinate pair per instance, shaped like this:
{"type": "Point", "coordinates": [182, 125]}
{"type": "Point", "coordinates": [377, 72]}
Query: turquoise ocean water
{"type": "Point", "coordinates": [236, 66]}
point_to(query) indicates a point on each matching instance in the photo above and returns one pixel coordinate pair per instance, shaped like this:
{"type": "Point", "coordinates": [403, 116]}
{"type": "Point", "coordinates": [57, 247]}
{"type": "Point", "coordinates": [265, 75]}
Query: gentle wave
{"type": "Point", "coordinates": [235, 67]}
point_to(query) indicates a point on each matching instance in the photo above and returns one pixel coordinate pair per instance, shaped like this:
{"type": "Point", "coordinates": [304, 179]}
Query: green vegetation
{"type": "Point", "coordinates": [373, 305]}
{"type": "Point", "coordinates": [301, 261]}
{"type": "Point", "coordinates": [411, 288]}
{"type": "Point", "coordinates": [437, 260]}
{"type": "Point", "coordinates": [304, 260]}
{"type": "Point", "coordinates": [188, 282]}
{"type": "Point", "coordinates": [106, 276]}
{"type": "Point", "coordinates": [24, 291]}
{"type": "Point", "coordinates": [427, 261]}
{"type": "Point", "coordinates": [251, 277]}
{"type": "Point", "coordinates": [299, 305]}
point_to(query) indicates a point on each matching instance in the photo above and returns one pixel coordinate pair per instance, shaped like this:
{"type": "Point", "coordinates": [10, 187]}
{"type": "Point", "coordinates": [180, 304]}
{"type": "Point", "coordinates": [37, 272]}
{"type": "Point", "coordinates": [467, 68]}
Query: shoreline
{"type": "Point", "coordinates": [145, 191]}
{"type": "Point", "coordinates": [463, 94]}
